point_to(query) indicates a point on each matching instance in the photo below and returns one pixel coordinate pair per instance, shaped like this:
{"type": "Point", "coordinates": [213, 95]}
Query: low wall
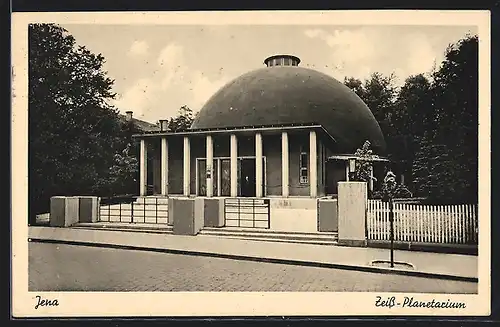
{"type": "Point", "coordinates": [292, 203]}
{"type": "Point", "coordinates": [66, 211]}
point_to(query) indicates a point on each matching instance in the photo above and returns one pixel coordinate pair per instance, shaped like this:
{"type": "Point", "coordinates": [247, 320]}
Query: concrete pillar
{"type": "Point", "coordinates": [258, 165]}
{"type": "Point", "coordinates": [352, 200]}
{"type": "Point", "coordinates": [313, 164]}
{"type": "Point", "coordinates": [210, 165]}
{"type": "Point", "coordinates": [188, 215]}
{"type": "Point", "coordinates": [284, 164]}
{"type": "Point", "coordinates": [143, 168]}
{"type": "Point", "coordinates": [64, 211]}
{"type": "Point", "coordinates": [187, 167]}
{"type": "Point", "coordinates": [89, 209]}
{"type": "Point", "coordinates": [214, 213]}
{"type": "Point", "coordinates": [234, 165]}
{"type": "Point", "coordinates": [164, 166]}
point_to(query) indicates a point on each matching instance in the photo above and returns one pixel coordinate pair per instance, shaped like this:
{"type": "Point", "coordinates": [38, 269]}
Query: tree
{"type": "Point", "coordinates": [414, 117]}
{"type": "Point", "coordinates": [123, 173]}
{"type": "Point", "coordinates": [182, 121]}
{"type": "Point", "coordinates": [446, 168]}
{"type": "Point", "coordinates": [73, 130]}
{"type": "Point", "coordinates": [364, 166]}
{"type": "Point", "coordinates": [379, 93]}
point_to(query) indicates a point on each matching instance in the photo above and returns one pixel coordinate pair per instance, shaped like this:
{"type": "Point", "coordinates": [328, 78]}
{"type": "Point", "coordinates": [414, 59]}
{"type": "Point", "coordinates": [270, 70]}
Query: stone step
{"type": "Point", "coordinates": [131, 227]}
{"type": "Point", "coordinates": [266, 231]}
{"type": "Point", "coordinates": [270, 239]}
{"type": "Point", "coordinates": [267, 234]}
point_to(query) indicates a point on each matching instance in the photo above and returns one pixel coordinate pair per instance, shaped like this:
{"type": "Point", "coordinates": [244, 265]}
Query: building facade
{"type": "Point", "coordinates": [282, 131]}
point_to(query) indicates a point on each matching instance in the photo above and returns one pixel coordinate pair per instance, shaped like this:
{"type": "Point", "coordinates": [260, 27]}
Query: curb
{"type": "Point", "coordinates": [426, 247]}
{"type": "Point", "coordinates": [361, 268]}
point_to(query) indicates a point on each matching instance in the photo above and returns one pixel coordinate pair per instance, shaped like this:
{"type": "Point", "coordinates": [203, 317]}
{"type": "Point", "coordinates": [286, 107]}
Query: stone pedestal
{"type": "Point", "coordinates": [187, 215]}
{"type": "Point", "coordinates": [352, 200]}
{"type": "Point", "coordinates": [64, 211]}
{"type": "Point", "coordinates": [214, 213]}
{"type": "Point", "coordinates": [328, 215]}
{"type": "Point", "coordinates": [89, 209]}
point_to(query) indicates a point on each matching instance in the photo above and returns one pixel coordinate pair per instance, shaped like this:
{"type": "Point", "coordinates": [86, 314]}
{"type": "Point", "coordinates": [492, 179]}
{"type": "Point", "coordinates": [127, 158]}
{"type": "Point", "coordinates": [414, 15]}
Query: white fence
{"type": "Point", "coordinates": [451, 224]}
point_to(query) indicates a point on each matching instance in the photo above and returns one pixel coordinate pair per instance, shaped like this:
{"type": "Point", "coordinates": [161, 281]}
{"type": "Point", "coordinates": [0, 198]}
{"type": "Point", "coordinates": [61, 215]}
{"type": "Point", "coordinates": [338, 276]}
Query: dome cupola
{"type": "Point", "coordinates": [283, 93]}
{"type": "Point", "coordinates": [282, 60]}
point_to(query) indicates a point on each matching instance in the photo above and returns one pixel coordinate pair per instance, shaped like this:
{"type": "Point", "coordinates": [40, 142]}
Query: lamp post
{"type": "Point", "coordinates": [352, 168]}
{"type": "Point", "coordinates": [389, 188]}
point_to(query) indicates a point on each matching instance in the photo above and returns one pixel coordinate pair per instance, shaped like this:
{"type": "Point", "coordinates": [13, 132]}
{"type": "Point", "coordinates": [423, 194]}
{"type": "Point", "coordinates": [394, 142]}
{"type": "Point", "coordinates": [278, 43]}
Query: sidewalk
{"type": "Point", "coordinates": [433, 265]}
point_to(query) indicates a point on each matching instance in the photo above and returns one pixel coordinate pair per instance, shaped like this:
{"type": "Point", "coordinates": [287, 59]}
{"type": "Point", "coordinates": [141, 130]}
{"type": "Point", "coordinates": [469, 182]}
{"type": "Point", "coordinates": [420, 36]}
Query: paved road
{"type": "Point", "coordinates": [59, 267]}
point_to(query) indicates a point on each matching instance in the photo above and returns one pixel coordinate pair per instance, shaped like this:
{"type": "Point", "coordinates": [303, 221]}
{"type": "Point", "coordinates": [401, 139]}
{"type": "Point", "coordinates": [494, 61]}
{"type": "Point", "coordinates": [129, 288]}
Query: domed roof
{"type": "Point", "coordinates": [293, 95]}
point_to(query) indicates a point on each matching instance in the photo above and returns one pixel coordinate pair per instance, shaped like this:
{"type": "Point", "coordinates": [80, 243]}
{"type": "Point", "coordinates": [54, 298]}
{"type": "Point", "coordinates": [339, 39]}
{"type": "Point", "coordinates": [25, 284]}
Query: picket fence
{"type": "Point", "coordinates": [448, 224]}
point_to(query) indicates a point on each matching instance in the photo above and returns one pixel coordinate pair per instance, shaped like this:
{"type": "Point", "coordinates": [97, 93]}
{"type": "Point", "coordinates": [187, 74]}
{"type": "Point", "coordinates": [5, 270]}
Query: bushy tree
{"type": "Point", "coordinates": [364, 164]}
{"type": "Point", "coordinates": [446, 166]}
{"type": "Point", "coordinates": [74, 132]}
{"type": "Point", "coordinates": [379, 94]}
{"type": "Point", "coordinates": [431, 123]}
{"type": "Point", "coordinates": [182, 121]}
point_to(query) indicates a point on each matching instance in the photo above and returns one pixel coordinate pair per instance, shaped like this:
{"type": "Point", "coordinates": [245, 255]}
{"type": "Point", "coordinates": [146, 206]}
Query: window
{"type": "Point", "coordinates": [303, 166]}
{"type": "Point", "coordinates": [287, 62]}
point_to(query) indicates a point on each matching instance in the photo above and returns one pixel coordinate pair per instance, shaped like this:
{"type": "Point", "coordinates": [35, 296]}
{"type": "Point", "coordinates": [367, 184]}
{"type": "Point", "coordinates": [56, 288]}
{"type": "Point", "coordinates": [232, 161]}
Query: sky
{"type": "Point", "coordinates": [159, 68]}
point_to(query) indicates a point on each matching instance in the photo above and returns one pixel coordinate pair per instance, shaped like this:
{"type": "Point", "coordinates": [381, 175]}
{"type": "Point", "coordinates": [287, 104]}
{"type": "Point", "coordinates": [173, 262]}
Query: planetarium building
{"type": "Point", "coordinates": [278, 131]}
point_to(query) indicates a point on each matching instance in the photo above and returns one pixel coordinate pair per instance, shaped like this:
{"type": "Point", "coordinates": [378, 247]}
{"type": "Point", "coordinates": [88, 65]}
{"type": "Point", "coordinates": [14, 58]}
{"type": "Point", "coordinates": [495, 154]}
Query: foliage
{"type": "Point", "coordinates": [123, 173]}
{"type": "Point", "coordinates": [182, 121]}
{"type": "Point", "coordinates": [391, 189]}
{"type": "Point", "coordinates": [379, 93]}
{"type": "Point", "coordinates": [364, 165]}
{"type": "Point", "coordinates": [418, 119]}
{"type": "Point", "coordinates": [446, 168]}
{"type": "Point", "coordinates": [73, 130]}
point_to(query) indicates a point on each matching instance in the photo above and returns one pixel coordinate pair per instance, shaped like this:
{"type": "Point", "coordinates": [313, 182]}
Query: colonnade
{"type": "Point", "coordinates": [259, 178]}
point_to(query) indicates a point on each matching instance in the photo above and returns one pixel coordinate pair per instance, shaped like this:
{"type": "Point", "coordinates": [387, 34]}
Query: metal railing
{"type": "Point", "coordinates": [247, 212]}
{"type": "Point", "coordinates": [133, 209]}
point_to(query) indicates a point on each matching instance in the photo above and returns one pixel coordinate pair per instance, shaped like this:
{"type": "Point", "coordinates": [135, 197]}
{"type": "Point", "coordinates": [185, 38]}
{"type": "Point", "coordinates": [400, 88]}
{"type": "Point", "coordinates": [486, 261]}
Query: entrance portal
{"type": "Point", "coordinates": [221, 176]}
{"type": "Point", "coordinates": [247, 177]}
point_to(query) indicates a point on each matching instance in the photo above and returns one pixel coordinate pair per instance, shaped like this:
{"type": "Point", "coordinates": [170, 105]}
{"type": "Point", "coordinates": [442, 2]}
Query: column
{"type": "Point", "coordinates": [210, 165]}
{"type": "Point", "coordinates": [234, 165]}
{"type": "Point", "coordinates": [313, 164]}
{"type": "Point", "coordinates": [143, 168]}
{"type": "Point", "coordinates": [284, 164]}
{"type": "Point", "coordinates": [258, 165]}
{"type": "Point", "coordinates": [187, 166]}
{"type": "Point", "coordinates": [164, 166]}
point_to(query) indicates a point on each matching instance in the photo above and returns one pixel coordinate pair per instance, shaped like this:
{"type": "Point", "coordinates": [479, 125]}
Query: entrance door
{"type": "Point", "coordinates": [247, 177]}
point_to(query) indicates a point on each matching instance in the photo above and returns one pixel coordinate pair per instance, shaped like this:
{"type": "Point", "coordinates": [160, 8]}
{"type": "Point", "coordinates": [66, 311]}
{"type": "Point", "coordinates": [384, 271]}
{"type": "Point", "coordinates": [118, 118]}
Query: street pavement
{"type": "Point", "coordinates": [462, 267]}
{"type": "Point", "coordinates": [63, 267]}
